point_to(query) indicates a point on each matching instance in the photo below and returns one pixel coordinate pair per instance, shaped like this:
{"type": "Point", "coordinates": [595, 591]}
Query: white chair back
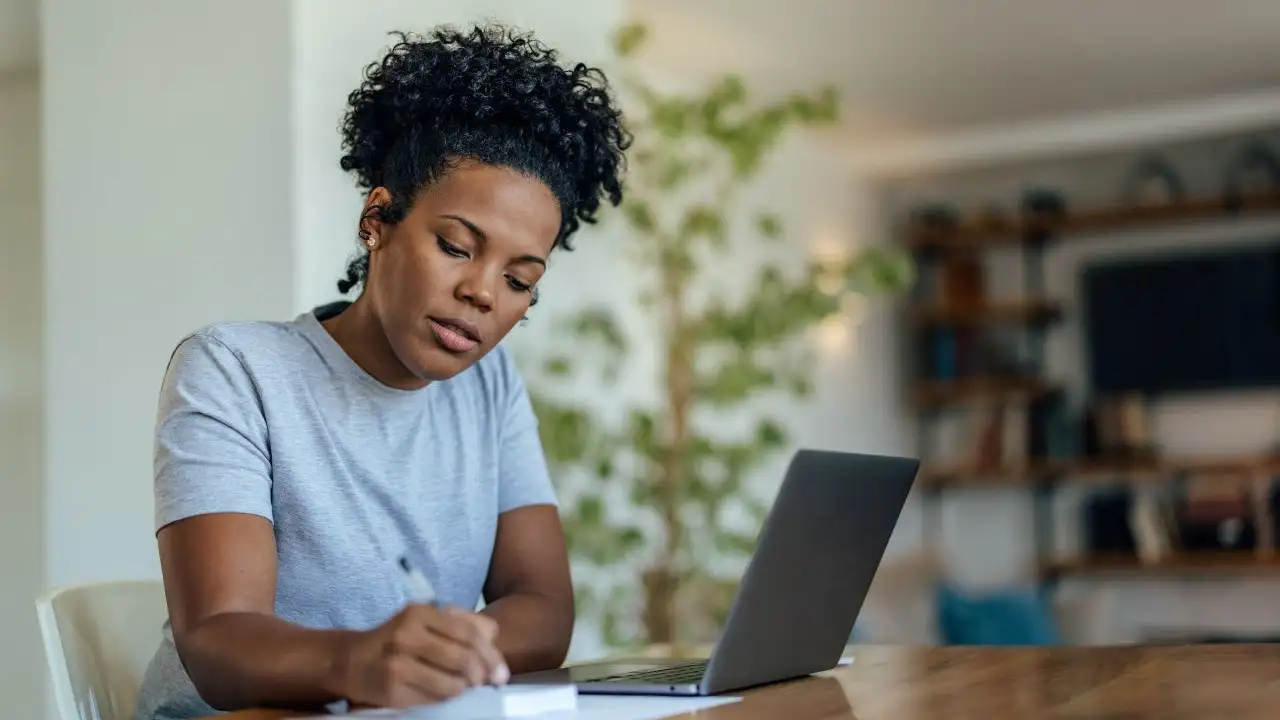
{"type": "Point", "coordinates": [98, 641]}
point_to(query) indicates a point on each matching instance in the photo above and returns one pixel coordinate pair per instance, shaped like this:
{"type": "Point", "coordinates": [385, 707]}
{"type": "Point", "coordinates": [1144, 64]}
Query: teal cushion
{"type": "Point", "coordinates": [1004, 617]}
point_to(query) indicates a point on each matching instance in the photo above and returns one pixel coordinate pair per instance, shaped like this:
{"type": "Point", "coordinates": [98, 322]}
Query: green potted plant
{"type": "Point", "coordinates": [691, 158]}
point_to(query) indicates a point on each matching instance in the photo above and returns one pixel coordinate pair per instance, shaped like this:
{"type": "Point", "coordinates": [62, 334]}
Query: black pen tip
{"type": "Point", "coordinates": [404, 563]}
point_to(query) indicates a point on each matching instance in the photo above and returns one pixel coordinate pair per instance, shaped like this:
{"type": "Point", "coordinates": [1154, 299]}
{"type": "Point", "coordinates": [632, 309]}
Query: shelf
{"type": "Point", "coordinates": [940, 393]}
{"type": "Point", "coordinates": [1085, 472]}
{"type": "Point", "coordinates": [1161, 468]}
{"type": "Point", "coordinates": [1191, 563]}
{"type": "Point", "coordinates": [966, 476]}
{"type": "Point", "coordinates": [1093, 222]}
{"type": "Point", "coordinates": [1018, 310]}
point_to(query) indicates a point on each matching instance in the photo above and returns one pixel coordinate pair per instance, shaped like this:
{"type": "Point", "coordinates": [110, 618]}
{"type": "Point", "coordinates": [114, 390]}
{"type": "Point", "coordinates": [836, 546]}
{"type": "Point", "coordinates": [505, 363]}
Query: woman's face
{"type": "Point", "coordinates": [450, 280]}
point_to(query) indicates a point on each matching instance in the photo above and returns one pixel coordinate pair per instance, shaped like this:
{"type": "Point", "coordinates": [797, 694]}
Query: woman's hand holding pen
{"type": "Point", "coordinates": [422, 655]}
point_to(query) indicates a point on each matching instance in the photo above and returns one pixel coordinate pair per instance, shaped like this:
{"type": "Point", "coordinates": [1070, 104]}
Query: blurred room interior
{"type": "Point", "coordinates": [1086, 358]}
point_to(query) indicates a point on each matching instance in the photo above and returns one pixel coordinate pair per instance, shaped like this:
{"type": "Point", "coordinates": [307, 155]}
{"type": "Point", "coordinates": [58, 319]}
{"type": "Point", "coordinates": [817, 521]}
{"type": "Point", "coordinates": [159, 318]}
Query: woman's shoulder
{"type": "Point", "coordinates": [233, 351]}
{"type": "Point", "coordinates": [244, 338]}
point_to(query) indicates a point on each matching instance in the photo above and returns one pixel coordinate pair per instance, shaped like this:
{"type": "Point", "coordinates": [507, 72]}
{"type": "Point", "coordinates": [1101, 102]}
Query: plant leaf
{"type": "Point", "coordinates": [702, 221]}
{"type": "Point", "coordinates": [604, 468]}
{"type": "Point", "coordinates": [770, 435]}
{"type": "Point", "coordinates": [879, 270]}
{"type": "Point", "coordinates": [629, 39]}
{"type": "Point", "coordinates": [558, 366]}
{"type": "Point", "coordinates": [734, 381]}
{"type": "Point", "coordinates": [599, 324]}
{"type": "Point", "coordinates": [769, 225]}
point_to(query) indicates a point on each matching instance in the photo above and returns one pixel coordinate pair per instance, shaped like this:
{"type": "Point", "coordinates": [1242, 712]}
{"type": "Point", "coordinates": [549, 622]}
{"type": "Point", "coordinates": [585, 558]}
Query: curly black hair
{"type": "Point", "coordinates": [492, 95]}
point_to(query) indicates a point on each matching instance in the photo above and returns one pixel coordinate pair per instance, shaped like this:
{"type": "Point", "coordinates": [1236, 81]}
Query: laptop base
{"type": "Point", "coordinates": [604, 678]}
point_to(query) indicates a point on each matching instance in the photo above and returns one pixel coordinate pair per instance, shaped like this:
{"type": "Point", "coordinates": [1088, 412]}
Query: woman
{"type": "Point", "coordinates": [297, 463]}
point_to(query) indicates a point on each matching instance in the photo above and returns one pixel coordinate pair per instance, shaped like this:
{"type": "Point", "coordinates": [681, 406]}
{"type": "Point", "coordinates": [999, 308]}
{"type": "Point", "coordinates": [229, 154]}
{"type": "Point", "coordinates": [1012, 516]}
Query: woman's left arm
{"type": "Point", "coordinates": [529, 591]}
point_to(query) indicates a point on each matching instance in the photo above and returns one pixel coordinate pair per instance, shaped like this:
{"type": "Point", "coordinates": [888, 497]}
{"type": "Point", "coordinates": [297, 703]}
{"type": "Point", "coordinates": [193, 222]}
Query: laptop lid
{"type": "Point", "coordinates": [813, 564]}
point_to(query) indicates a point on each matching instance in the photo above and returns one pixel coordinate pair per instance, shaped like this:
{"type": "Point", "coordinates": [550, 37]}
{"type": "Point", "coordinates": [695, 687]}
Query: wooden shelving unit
{"type": "Point", "coordinates": [1033, 313]}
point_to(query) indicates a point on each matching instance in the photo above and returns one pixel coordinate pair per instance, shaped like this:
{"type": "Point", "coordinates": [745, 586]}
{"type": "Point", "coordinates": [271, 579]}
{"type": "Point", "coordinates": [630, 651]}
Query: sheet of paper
{"type": "Point", "coordinates": [483, 703]}
{"type": "Point", "coordinates": [593, 707]}
{"type": "Point", "coordinates": [636, 707]}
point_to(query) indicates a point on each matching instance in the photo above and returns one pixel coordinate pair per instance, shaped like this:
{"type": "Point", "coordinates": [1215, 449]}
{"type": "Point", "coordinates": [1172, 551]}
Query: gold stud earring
{"type": "Point", "coordinates": [371, 241]}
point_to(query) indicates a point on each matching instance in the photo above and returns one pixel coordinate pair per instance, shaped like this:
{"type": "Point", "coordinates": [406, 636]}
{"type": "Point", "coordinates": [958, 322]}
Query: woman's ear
{"type": "Point", "coordinates": [371, 217]}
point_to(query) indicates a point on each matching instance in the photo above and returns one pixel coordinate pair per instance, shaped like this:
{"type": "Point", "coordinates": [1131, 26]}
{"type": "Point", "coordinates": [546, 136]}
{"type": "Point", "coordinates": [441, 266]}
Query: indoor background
{"type": "Point", "coordinates": [1083, 351]}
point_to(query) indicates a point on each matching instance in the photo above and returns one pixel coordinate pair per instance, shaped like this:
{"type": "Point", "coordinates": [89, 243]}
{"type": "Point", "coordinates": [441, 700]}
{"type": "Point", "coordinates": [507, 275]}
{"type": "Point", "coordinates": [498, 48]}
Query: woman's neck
{"type": "Point", "coordinates": [359, 334]}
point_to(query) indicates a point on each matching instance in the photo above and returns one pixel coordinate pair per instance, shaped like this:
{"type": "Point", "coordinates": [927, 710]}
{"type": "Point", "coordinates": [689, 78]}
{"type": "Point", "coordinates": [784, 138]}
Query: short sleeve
{"type": "Point", "coordinates": [523, 478]}
{"type": "Point", "coordinates": [211, 451]}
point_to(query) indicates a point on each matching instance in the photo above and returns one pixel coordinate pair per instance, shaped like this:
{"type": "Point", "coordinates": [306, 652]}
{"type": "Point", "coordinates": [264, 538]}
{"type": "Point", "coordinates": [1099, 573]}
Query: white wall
{"type": "Point", "coordinates": [21, 514]}
{"type": "Point", "coordinates": [167, 185]}
{"type": "Point", "coordinates": [986, 534]}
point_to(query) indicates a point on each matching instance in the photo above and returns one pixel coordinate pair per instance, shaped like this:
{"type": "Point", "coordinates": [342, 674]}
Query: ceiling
{"type": "Point", "coordinates": [926, 68]}
{"type": "Point", "coordinates": [911, 68]}
{"type": "Point", "coordinates": [19, 34]}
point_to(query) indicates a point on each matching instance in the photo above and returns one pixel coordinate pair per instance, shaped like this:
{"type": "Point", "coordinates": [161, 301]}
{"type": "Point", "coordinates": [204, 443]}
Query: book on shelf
{"type": "Point", "coordinates": [988, 438]}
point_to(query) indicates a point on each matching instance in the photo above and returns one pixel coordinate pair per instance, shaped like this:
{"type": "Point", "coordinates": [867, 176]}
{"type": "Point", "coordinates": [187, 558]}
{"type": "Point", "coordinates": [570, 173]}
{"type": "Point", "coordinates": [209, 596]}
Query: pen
{"type": "Point", "coordinates": [420, 591]}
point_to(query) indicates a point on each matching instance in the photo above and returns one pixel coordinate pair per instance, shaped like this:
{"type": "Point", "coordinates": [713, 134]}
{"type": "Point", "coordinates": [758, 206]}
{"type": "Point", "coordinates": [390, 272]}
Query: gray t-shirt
{"type": "Point", "coordinates": [275, 419]}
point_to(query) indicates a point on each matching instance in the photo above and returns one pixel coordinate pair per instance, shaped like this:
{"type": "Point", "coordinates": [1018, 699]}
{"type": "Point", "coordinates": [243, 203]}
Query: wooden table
{"type": "Point", "coordinates": [1240, 682]}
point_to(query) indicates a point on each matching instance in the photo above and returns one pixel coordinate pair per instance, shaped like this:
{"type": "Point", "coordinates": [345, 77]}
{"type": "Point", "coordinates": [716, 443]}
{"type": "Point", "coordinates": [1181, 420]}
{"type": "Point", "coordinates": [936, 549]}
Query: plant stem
{"type": "Point", "coordinates": [661, 589]}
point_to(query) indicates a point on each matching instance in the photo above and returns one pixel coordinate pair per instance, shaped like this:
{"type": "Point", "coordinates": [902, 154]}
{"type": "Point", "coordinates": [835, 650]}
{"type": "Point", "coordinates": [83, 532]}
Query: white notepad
{"type": "Point", "coordinates": [483, 703]}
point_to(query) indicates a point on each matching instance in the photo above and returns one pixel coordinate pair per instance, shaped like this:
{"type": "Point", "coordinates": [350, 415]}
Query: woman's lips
{"type": "Point", "coordinates": [452, 337]}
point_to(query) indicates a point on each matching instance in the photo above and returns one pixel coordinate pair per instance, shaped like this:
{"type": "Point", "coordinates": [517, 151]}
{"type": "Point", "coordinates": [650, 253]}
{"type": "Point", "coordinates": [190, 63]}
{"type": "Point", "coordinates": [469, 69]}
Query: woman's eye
{"type": "Point", "coordinates": [520, 286]}
{"type": "Point", "coordinates": [449, 248]}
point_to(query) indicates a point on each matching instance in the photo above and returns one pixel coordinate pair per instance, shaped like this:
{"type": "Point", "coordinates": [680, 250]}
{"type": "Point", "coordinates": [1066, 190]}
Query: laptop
{"type": "Point", "coordinates": [802, 591]}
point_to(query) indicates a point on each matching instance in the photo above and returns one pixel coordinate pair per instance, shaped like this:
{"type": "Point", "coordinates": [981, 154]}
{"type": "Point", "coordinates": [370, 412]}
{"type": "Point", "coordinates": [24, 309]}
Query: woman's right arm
{"type": "Point", "coordinates": [218, 560]}
{"type": "Point", "coordinates": [220, 579]}
{"type": "Point", "coordinates": [219, 575]}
